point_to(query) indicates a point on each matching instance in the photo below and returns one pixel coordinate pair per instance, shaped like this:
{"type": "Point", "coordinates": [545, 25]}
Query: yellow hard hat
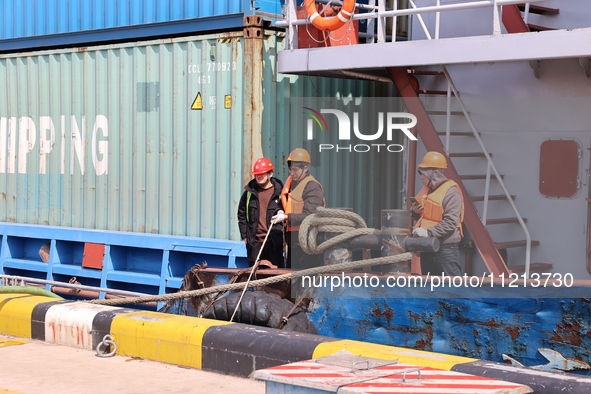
{"type": "Point", "coordinates": [299, 154]}
{"type": "Point", "coordinates": [433, 160]}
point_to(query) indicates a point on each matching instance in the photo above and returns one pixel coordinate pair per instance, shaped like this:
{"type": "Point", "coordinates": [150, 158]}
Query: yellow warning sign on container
{"type": "Point", "coordinates": [228, 101]}
{"type": "Point", "coordinates": [198, 102]}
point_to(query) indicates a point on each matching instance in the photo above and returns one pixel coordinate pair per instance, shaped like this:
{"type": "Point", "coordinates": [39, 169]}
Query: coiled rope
{"type": "Point", "coordinates": [329, 220]}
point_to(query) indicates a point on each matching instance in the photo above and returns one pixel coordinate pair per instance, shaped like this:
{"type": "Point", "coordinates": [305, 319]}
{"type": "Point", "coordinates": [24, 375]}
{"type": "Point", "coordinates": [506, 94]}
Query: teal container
{"type": "Point", "coordinates": [157, 136]}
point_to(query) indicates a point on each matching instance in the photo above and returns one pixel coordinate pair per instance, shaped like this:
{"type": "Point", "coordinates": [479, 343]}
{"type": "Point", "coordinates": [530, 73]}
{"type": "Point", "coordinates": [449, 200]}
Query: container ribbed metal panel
{"type": "Point", "coordinates": [105, 137]}
{"type": "Point", "coordinates": [367, 183]}
{"type": "Point", "coordinates": [25, 18]}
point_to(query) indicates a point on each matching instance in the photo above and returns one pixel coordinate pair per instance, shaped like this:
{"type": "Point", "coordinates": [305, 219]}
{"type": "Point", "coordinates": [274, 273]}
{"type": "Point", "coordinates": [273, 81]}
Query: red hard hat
{"type": "Point", "coordinates": [262, 166]}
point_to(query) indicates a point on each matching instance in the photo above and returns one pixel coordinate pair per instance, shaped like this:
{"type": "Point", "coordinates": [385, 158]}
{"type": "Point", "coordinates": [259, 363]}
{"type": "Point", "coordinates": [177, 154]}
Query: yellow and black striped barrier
{"type": "Point", "coordinates": [230, 348]}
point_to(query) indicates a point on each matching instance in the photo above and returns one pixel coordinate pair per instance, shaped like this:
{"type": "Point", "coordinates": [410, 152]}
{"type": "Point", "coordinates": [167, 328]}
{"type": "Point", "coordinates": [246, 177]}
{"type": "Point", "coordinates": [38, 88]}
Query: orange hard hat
{"type": "Point", "coordinates": [433, 160]}
{"type": "Point", "coordinates": [299, 154]}
{"type": "Point", "coordinates": [262, 166]}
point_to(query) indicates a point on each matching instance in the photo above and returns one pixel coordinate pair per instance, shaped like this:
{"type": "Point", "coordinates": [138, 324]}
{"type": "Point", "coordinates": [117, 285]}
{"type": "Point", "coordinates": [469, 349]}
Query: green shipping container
{"type": "Point", "coordinates": [157, 136]}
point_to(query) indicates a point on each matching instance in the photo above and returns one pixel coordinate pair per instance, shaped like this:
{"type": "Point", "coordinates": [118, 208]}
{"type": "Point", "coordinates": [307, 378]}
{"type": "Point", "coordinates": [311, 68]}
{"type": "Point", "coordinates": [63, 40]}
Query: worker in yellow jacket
{"type": "Point", "coordinates": [300, 197]}
{"type": "Point", "coordinates": [439, 210]}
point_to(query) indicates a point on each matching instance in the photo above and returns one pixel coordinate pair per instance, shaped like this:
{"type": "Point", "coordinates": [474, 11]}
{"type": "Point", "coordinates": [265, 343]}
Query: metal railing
{"type": "Point", "coordinates": [490, 164]}
{"type": "Point", "coordinates": [381, 14]}
{"type": "Point", "coordinates": [376, 11]}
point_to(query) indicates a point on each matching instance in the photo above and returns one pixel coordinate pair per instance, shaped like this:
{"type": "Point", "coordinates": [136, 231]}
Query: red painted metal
{"type": "Point", "coordinates": [513, 20]}
{"type": "Point", "coordinates": [482, 239]}
{"type": "Point", "coordinates": [559, 168]}
{"type": "Point", "coordinates": [314, 376]}
{"type": "Point", "coordinates": [415, 262]}
{"type": "Point", "coordinates": [93, 255]}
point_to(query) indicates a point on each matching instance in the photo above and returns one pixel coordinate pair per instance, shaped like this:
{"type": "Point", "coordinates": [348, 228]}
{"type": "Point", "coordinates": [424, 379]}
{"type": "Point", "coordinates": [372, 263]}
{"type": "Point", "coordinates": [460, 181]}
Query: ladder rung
{"type": "Point", "coordinates": [539, 28]}
{"type": "Point", "coordinates": [537, 9]}
{"type": "Point", "coordinates": [468, 154]}
{"type": "Point", "coordinates": [503, 220]}
{"type": "Point", "coordinates": [457, 133]}
{"type": "Point", "coordinates": [476, 177]}
{"type": "Point", "coordinates": [424, 72]}
{"type": "Point", "coordinates": [514, 244]}
{"type": "Point", "coordinates": [444, 113]}
{"type": "Point", "coordinates": [532, 267]}
{"type": "Point", "coordinates": [492, 197]}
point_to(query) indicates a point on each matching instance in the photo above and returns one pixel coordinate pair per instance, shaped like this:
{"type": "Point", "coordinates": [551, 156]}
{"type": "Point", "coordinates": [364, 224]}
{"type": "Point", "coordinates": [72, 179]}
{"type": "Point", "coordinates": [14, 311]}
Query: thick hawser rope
{"type": "Point", "coordinates": [325, 220]}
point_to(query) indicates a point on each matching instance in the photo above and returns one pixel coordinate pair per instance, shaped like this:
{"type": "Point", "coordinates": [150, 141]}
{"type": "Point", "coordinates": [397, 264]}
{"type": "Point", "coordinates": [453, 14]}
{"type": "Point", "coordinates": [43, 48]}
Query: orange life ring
{"type": "Point", "coordinates": [344, 15]}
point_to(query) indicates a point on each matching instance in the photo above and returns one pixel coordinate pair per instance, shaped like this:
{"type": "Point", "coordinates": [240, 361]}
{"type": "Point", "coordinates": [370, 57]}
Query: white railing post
{"type": "Point", "coordinates": [381, 21]}
{"type": "Point", "coordinates": [371, 25]}
{"type": "Point", "coordinates": [394, 22]}
{"type": "Point", "coordinates": [486, 194]}
{"type": "Point", "coordinates": [497, 9]}
{"type": "Point", "coordinates": [526, 13]}
{"type": "Point", "coordinates": [421, 21]}
{"type": "Point", "coordinates": [292, 30]}
{"type": "Point", "coordinates": [448, 119]}
{"type": "Point", "coordinates": [437, 18]}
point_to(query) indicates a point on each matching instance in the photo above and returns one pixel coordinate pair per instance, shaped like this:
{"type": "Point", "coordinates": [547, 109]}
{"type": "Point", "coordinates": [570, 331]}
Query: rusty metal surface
{"type": "Point", "coordinates": [482, 328]}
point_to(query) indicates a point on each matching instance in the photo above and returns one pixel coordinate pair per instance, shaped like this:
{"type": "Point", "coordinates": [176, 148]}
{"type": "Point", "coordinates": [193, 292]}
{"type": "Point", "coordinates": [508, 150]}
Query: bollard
{"type": "Point", "coordinates": [396, 225]}
{"type": "Point", "coordinates": [339, 253]}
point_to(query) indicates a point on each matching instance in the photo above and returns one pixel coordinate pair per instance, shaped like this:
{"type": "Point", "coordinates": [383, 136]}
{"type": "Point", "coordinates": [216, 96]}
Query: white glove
{"type": "Point", "coordinates": [420, 232]}
{"type": "Point", "coordinates": [279, 217]}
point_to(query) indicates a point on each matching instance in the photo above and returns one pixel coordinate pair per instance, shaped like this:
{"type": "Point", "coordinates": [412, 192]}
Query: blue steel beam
{"type": "Point", "coordinates": [170, 28]}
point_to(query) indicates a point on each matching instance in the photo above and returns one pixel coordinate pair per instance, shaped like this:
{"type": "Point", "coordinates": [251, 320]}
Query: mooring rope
{"type": "Point", "coordinates": [329, 220]}
{"type": "Point", "coordinates": [254, 268]}
{"type": "Point", "coordinates": [260, 282]}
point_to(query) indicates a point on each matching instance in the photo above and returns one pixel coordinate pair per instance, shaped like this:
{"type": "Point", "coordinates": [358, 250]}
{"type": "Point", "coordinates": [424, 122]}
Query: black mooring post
{"type": "Point", "coordinates": [340, 253]}
{"type": "Point", "coordinates": [396, 225]}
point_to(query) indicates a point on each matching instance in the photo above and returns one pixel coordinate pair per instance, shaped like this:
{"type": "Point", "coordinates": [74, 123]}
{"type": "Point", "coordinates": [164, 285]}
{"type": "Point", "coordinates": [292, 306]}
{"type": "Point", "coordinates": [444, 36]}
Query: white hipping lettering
{"type": "Point", "coordinates": [100, 147]}
{"type": "Point", "coordinates": [27, 135]}
{"type": "Point", "coordinates": [45, 141]}
{"type": "Point", "coordinates": [18, 140]}
{"type": "Point", "coordinates": [77, 144]}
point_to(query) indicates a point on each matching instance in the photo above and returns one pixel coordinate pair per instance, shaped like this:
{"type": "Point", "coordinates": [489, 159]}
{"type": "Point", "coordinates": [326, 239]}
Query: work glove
{"type": "Point", "coordinates": [420, 232]}
{"type": "Point", "coordinates": [279, 217]}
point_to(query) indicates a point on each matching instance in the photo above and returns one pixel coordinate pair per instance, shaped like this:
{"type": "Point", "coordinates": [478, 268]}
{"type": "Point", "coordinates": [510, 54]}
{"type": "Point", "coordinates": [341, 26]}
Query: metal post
{"type": "Point", "coordinates": [497, 9]}
{"type": "Point", "coordinates": [437, 20]}
{"type": "Point", "coordinates": [292, 30]}
{"type": "Point", "coordinates": [396, 224]}
{"type": "Point", "coordinates": [381, 21]}
{"type": "Point", "coordinates": [338, 253]}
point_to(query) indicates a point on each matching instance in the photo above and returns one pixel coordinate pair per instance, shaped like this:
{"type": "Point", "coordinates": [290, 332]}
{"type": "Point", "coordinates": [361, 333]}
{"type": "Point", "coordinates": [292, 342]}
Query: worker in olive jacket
{"type": "Point", "coordinates": [301, 195]}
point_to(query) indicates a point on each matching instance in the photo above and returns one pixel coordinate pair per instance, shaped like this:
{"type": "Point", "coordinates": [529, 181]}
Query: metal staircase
{"type": "Point", "coordinates": [516, 17]}
{"type": "Point", "coordinates": [493, 253]}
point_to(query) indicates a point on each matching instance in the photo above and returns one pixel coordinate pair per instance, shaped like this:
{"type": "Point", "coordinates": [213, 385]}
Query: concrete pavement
{"type": "Point", "coordinates": [32, 367]}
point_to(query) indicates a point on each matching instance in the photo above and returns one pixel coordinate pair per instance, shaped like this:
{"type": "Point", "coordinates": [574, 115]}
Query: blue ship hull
{"type": "Point", "coordinates": [481, 322]}
{"type": "Point", "coordinates": [483, 328]}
